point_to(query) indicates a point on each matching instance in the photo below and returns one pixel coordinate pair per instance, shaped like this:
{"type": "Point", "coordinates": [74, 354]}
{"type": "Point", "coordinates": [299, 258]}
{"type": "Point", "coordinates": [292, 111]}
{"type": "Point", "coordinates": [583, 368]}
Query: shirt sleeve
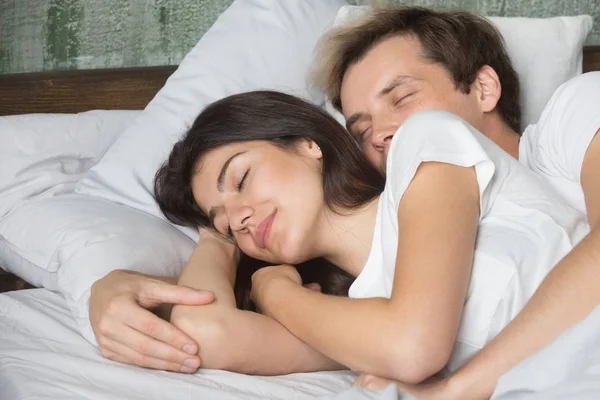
{"type": "Point", "coordinates": [437, 136]}
{"type": "Point", "coordinates": [568, 125]}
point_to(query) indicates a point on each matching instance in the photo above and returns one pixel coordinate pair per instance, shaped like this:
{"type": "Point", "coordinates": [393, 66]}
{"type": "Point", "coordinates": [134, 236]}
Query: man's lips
{"type": "Point", "coordinates": [263, 230]}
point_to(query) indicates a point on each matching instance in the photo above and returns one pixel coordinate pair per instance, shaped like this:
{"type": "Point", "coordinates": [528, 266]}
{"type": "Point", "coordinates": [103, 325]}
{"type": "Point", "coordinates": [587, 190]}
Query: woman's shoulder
{"type": "Point", "coordinates": [435, 135]}
{"type": "Point", "coordinates": [432, 131]}
{"type": "Point", "coordinates": [439, 136]}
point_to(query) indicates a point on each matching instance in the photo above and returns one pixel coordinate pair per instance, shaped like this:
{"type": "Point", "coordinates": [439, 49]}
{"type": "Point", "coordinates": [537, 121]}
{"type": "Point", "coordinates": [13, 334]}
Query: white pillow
{"type": "Point", "coordinates": [63, 241]}
{"type": "Point", "coordinates": [67, 242]}
{"type": "Point", "coordinates": [47, 154]}
{"type": "Point", "coordinates": [545, 52]}
{"type": "Point", "coordinates": [42, 157]}
{"type": "Point", "coordinates": [255, 44]}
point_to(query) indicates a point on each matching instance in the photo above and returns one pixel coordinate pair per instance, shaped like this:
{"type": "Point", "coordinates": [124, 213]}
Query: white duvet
{"type": "Point", "coordinates": [44, 356]}
{"type": "Point", "coordinates": [568, 368]}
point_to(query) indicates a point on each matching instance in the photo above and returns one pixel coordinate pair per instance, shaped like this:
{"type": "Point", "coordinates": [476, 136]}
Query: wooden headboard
{"type": "Point", "coordinates": [83, 90]}
{"type": "Point", "coordinates": [591, 58]}
{"type": "Point", "coordinates": [111, 89]}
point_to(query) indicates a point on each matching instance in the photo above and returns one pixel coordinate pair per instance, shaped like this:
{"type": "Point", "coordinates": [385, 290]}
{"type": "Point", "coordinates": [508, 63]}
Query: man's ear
{"type": "Point", "coordinates": [487, 88]}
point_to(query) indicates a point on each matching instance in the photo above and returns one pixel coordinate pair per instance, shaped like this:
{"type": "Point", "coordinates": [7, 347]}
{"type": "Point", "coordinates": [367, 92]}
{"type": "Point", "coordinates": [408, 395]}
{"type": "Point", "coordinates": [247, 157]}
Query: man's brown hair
{"type": "Point", "coordinates": [461, 42]}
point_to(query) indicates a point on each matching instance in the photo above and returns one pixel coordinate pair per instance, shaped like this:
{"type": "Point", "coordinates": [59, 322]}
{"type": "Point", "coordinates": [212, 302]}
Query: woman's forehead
{"type": "Point", "coordinates": [210, 166]}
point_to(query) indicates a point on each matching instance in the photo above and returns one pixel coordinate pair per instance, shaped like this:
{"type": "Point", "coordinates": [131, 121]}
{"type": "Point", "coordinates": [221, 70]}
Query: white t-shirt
{"type": "Point", "coordinates": [555, 147]}
{"type": "Point", "coordinates": [524, 229]}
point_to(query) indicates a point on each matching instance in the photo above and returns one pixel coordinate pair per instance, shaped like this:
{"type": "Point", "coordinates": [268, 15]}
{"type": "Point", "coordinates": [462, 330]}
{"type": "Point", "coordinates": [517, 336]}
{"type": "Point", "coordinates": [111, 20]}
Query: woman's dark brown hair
{"type": "Point", "coordinates": [349, 180]}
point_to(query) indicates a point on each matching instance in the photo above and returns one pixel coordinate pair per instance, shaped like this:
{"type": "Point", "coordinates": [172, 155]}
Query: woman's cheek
{"type": "Point", "coordinates": [246, 247]}
{"type": "Point", "coordinates": [250, 249]}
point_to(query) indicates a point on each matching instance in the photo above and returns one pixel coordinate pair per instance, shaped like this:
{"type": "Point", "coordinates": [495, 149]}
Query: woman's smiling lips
{"type": "Point", "coordinates": [263, 230]}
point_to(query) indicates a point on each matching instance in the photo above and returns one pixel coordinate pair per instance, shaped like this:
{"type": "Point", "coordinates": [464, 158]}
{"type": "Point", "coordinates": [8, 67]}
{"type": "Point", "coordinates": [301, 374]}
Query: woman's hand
{"type": "Point", "coordinates": [372, 382]}
{"type": "Point", "coordinates": [265, 279]}
{"type": "Point", "coordinates": [434, 388]}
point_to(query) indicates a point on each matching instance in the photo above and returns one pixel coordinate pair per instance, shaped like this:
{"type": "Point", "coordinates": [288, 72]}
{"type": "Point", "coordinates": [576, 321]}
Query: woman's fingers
{"type": "Point", "coordinates": [314, 286]}
{"type": "Point", "coordinates": [372, 382]}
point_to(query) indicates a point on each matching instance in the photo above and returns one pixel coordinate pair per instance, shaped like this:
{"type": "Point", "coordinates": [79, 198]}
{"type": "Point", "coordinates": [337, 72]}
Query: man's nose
{"type": "Point", "coordinates": [382, 137]}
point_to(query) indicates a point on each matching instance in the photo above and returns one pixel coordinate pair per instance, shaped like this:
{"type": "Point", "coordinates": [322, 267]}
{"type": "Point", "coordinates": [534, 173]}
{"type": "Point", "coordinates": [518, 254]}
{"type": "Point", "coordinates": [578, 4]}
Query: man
{"type": "Point", "coordinates": [378, 73]}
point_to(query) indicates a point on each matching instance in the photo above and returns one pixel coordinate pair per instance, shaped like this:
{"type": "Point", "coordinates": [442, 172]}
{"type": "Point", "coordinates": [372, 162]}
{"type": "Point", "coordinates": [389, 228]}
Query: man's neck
{"type": "Point", "coordinates": [501, 134]}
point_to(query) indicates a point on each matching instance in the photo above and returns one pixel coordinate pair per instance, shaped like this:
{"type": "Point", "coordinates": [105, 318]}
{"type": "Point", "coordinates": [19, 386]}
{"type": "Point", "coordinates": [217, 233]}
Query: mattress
{"type": "Point", "coordinates": [44, 356]}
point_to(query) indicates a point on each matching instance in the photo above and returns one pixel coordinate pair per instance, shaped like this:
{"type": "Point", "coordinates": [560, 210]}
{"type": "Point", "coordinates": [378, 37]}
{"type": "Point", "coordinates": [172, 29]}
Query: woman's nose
{"type": "Point", "coordinates": [240, 217]}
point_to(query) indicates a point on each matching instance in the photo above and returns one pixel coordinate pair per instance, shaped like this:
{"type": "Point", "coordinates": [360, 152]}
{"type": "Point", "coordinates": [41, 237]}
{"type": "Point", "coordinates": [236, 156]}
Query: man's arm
{"type": "Point", "coordinates": [567, 295]}
{"type": "Point", "coordinates": [232, 339]}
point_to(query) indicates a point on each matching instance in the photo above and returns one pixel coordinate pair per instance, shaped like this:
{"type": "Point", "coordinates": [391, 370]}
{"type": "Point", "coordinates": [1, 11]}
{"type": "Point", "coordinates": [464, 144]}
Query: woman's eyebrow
{"type": "Point", "coordinates": [223, 173]}
{"type": "Point", "coordinates": [220, 183]}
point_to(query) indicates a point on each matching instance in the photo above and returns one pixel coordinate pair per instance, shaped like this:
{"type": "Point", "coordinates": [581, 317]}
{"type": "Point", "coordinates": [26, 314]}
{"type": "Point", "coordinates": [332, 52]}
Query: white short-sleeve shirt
{"type": "Point", "coordinates": [524, 229]}
{"type": "Point", "coordinates": [554, 148]}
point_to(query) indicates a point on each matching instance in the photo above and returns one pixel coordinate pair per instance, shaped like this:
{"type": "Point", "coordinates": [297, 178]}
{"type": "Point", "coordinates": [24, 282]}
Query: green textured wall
{"type": "Point", "coordinates": [42, 35]}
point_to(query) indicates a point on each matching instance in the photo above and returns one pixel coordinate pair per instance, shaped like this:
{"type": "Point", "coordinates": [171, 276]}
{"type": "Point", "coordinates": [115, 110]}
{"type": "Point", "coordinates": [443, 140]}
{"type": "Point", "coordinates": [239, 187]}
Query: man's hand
{"type": "Point", "coordinates": [127, 332]}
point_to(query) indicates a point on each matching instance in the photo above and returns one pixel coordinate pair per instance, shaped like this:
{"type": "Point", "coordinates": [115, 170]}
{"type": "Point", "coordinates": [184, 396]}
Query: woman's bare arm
{"type": "Point", "coordinates": [232, 339]}
{"type": "Point", "coordinates": [410, 336]}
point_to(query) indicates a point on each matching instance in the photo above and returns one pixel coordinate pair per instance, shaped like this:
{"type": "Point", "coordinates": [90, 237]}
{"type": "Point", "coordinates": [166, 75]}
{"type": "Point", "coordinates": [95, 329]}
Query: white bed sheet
{"type": "Point", "coordinates": [43, 356]}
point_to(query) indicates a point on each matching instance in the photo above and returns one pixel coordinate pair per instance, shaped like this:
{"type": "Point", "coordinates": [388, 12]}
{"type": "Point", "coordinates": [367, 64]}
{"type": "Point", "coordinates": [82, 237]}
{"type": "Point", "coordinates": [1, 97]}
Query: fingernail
{"type": "Point", "coordinates": [188, 348]}
{"type": "Point", "coordinates": [190, 362]}
{"type": "Point", "coordinates": [187, 370]}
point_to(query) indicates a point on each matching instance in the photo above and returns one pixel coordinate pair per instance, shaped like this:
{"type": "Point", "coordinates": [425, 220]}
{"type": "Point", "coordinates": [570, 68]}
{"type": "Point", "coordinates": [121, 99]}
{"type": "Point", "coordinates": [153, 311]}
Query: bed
{"type": "Point", "coordinates": [43, 356]}
{"type": "Point", "coordinates": [42, 352]}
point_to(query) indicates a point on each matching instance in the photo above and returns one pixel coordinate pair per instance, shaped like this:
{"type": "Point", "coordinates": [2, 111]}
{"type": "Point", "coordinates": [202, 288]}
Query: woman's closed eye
{"type": "Point", "coordinates": [240, 187]}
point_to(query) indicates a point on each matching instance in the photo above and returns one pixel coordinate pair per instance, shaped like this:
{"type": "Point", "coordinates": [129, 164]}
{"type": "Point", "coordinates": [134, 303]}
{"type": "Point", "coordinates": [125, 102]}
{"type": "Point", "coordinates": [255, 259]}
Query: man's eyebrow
{"type": "Point", "coordinates": [221, 178]}
{"type": "Point", "coordinates": [352, 120]}
{"type": "Point", "coordinates": [397, 81]}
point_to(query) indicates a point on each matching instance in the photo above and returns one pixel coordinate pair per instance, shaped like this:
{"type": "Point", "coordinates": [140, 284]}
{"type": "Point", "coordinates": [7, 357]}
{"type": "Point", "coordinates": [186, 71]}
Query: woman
{"type": "Point", "coordinates": [445, 252]}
